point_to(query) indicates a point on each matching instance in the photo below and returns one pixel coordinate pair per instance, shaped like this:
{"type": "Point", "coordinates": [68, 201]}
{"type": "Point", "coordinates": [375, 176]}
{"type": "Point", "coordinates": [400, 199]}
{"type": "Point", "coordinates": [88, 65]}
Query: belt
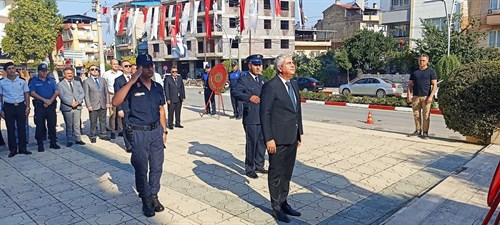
{"type": "Point", "coordinates": [143, 127]}
{"type": "Point", "coordinates": [14, 104]}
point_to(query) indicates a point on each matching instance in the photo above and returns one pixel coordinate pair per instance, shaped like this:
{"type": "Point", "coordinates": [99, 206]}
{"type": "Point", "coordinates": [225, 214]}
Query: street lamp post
{"type": "Point", "coordinates": [218, 25]}
{"type": "Point", "coordinates": [449, 17]}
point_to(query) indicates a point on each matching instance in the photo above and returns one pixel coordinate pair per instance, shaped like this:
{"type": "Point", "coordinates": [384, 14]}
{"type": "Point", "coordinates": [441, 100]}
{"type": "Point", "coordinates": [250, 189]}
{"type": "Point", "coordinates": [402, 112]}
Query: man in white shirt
{"type": "Point", "coordinates": [110, 77]}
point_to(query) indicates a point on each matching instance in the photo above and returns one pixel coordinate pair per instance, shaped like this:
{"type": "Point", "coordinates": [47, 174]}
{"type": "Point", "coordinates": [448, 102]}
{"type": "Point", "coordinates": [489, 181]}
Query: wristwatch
{"type": "Point", "coordinates": [166, 131]}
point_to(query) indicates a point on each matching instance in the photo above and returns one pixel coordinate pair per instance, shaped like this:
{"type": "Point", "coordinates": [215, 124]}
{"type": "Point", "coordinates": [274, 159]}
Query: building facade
{"type": "Point", "coordinates": [80, 41]}
{"type": "Point", "coordinates": [347, 19]}
{"type": "Point", "coordinates": [308, 42]}
{"type": "Point", "coordinates": [488, 11]}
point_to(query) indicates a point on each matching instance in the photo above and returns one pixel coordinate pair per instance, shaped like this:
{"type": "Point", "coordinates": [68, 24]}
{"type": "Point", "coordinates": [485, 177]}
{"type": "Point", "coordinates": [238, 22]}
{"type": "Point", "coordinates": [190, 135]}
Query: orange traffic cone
{"type": "Point", "coordinates": [369, 120]}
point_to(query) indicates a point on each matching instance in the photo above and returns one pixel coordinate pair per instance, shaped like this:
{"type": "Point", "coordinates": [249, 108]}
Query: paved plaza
{"type": "Point", "coordinates": [343, 175]}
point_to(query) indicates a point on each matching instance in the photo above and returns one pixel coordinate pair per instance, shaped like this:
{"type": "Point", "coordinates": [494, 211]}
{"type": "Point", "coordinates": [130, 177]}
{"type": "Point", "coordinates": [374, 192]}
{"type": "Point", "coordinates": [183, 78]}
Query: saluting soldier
{"type": "Point", "coordinates": [146, 130]}
{"type": "Point", "coordinates": [14, 94]}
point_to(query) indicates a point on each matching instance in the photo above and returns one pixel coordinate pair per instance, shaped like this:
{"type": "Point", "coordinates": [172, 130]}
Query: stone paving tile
{"type": "Point", "coordinates": [58, 187]}
{"type": "Point", "coordinates": [257, 216]}
{"type": "Point", "coordinates": [362, 215]}
{"type": "Point", "coordinates": [95, 208]}
{"type": "Point", "coordinates": [338, 220]}
{"type": "Point", "coordinates": [8, 207]}
{"type": "Point", "coordinates": [17, 218]}
{"type": "Point", "coordinates": [70, 195]}
{"type": "Point", "coordinates": [348, 196]}
{"type": "Point", "coordinates": [34, 193]}
{"type": "Point", "coordinates": [26, 187]}
{"type": "Point", "coordinates": [109, 217]}
{"type": "Point", "coordinates": [210, 216]}
{"type": "Point", "coordinates": [56, 213]}
{"type": "Point", "coordinates": [37, 202]}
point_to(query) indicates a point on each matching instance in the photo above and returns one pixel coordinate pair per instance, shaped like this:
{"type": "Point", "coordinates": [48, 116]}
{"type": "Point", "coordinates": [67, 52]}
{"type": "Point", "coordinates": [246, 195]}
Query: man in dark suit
{"type": "Point", "coordinates": [97, 101]}
{"type": "Point", "coordinates": [281, 119]}
{"type": "Point", "coordinates": [175, 94]}
{"type": "Point", "coordinates": [122, 110]}
{"type": "Point", "coordinates": [248, 90]}
{"type": "Point", "coordinates": [71, 95]}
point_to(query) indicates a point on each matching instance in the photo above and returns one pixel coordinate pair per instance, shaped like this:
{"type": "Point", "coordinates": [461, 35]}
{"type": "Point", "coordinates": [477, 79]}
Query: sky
{"type": "Point", "coordinates": [313, 9]}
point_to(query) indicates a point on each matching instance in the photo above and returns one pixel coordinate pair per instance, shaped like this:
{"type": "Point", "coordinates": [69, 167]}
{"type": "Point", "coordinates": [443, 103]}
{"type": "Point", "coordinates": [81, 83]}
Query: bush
{"type": "Point", "coordinates": [470, 99]}
{"type": "Point", "coordinates": [390, 101]}
{"type": "Point", "coordinates": [446, 65]}
{"type": "Point", "coordinates": [269, 72]}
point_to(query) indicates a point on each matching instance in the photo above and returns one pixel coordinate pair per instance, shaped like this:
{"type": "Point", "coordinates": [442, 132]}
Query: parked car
{"type": "Point", "coordinates": [372, 86]}
{"type": "Point", "coordinates": [437, 90]}
{"type": "Point", "coordinates": [309, 84]}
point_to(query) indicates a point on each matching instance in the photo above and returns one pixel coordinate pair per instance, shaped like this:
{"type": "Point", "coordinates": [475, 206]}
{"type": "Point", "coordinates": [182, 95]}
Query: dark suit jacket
{"type": "Point", "coordinates": [279, 120]}
{"type": "Point", "coordinates": [174, 92]}
{"type": "Point", "coordinates": [119, 83]}
{"type": "Point", "coordinates": [245, 88]}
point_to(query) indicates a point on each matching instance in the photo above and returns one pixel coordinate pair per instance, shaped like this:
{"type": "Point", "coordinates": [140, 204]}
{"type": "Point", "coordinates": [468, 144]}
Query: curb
{"type": "Point", "coordinates": [380, 107]}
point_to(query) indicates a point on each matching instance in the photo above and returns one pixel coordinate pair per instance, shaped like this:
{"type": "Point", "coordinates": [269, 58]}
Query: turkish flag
{"type": "Point", "coordinates": [208, 25]}
{"type": "Point", "coordinates": [178, 11]}
{"type": "Point", "coordinates": [278, 7]}
{"type": "Point", "coordinates": [122, 21]}
{"type": "Point", "coordinates": [242, 15]}
{"type": "Point", "coordinates": [59, 42]}
{"type": "Point", "coordinates": [145, 13]}
{"type": "Point", "coordinates": [162, 22]}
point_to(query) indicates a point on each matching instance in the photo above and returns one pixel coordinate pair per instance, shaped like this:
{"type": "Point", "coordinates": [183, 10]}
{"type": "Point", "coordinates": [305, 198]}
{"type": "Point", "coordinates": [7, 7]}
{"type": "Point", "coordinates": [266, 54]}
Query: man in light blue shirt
{"type": "Point", "coordinates": [14, 93]}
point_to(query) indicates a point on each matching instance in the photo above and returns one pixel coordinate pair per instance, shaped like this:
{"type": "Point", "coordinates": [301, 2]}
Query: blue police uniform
{"type": "Point", "coordinates": [237, 105]}
{"type": "Point", "coordinates": [208, 92]}
{"type": "Point", "coordinates": [45, 89]}
{"type": "Point", "coordinates": [145, 135]}
{"type": "Point", "coordinates": [14, 108]}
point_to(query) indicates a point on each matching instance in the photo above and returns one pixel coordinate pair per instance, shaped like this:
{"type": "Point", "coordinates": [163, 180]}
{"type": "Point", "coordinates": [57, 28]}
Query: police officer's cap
{"type": "Point", "coordinates": [255, 59]}
{"type": "Point", "coordinates": [208, 66]}
{"type": "Point", "coordinates": [42, 66]}
{"type": "Point", "coordinates": [234, 63]}
{"type": "Point", "coordinates": [144, 60]}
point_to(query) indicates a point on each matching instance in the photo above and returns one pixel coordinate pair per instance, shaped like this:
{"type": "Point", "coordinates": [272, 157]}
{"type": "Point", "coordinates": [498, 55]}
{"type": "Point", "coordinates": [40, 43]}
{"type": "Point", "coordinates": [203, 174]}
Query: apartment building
{"type": "Point", "coordinates": [347, 19]}
{"type": "Point", "coordinates": [80, 42]}
{"type": "Point", "coordinates": [488, 11]}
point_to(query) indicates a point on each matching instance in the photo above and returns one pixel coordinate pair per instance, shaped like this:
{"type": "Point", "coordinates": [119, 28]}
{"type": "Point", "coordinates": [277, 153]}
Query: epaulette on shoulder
{"type": "Point", "coordinates": [1, 78]}
{"type": "Point", "coordinates": [22, 78]}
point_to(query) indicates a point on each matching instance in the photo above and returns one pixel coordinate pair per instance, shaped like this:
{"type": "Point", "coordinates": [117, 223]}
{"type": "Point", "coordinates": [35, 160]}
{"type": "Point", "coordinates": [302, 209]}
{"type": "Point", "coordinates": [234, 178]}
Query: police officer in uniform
{"type": "Point", "coordinates": [14, 94]}
{"type": "Point", "coordinates": [233, 80]}
{"type": "Point", "coordinates": [44, 91]}
{"type": "Point", "coordinates": [248, 91]}
{"type": "Point", "coordinates": [208, 92]}
{"type": "Point", "coordinates": [146, 130]}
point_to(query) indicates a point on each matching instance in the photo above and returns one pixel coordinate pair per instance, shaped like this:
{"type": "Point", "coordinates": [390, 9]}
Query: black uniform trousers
{"type": "Point", "coordinates": [126, 137]}
{"type": "Point", "coordinates": [255, 148]}
{"type": "Point", "coordinates": [281, 166]}
{"type": "Point", "coordinates": [237, 106]}
{"type": "Point", "coordinates": [209, 109]}
{"type": "Point", "coordinates": [147, 158]}
{"type": "Point", "coordinates": [15, 117]}
{"type": "Point", "coordinates": [174, 108]}
{"type": "Point", "coordinates": [45, 120]}
{"type": "Point", "coordinates": [94, 115]}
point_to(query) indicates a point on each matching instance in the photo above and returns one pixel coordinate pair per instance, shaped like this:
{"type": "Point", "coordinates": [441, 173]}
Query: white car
{"type": "Point", "coordinates": [372, 86]}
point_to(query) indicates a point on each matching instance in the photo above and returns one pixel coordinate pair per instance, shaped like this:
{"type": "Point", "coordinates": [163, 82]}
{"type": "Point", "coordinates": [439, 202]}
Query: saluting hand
{"type": "Point", "coordinates": [136, 75]}
{"type": "Point", "coordinates": [271, 146]}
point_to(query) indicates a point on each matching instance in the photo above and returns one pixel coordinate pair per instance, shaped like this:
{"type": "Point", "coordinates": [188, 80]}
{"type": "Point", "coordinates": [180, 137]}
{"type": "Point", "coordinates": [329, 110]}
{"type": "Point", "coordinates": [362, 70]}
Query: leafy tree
{"type": "Point", "coordinates": [269, 72]}
{"type": "Point", "coordinates": [32, 30]}
{"type": "Point", "coordinates": [446, 65]}
{"type": "Point", "coordinates": [312, 68]}
{"type": "Point", "coordinates": [129, 58]}
{"type": "Point", "coordinates": [367, 50]}
{"type": "Point", "coordinates": [342, 60]}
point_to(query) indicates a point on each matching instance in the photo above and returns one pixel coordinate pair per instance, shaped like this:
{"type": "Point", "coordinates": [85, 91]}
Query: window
{"type": "Point", "coordinates": [268, 44]}
{"type": "Point", "coordinates": [399, 30]}
{"type": "Point", "coordinates": [285, 44]}
{"type": "Point", "coordinates": [169, 49]}
{"type": "Point", "coordinates": [440, 23]}
{"type": "Point", "coordinates": [200, 47]}
{"type": "Point", "coordinates": [188, 43]}
{"type": "Point", "coordinates": [267, 4]}
{"type": "Point", "coordinates": [233, 22]}
{"type": "Point", "coordinates": [362, 81]}
{"type": "Point", "coordinates": [397, 3]}
{"type": "Point", "coordinates": [285, 25]}
{"type": "Point", "coordinates": [199, 27]}
{"type": "Point", "coordinates": [2, 4]}
{"type": "Point", "coordinates": [267, 24]}
{"type": "Point", "coordinates": [156, 48]}
{"type": "Point", "coordinates": [374, 81]}
{"type": "Point", "coordinates": [494, 4]}
{"type": "Point", "coordinates": [234, 43]}
{"type": "Point", "coordinates": [285, 6]}
{"type": "Point", "coordinates": [233, 3]}
{"type": "Point", "coordinates": [494, 38]}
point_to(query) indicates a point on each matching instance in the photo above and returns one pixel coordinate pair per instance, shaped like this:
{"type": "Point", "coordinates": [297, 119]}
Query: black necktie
{"type": "Point", "coordinates": [257, 78]}
{"type": "Point", "coordinates": [292, 95]}
{"type": "Point", "coordinates": [128, 78]}
{"type": "Point", "coordinates": [175, 80]}
{"type": "Point", "coordinates": [71, 86]}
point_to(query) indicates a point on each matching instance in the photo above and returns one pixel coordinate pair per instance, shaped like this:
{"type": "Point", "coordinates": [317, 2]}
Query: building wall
{"type": "Point", "coordinates": [80, 38]}
{"type": "Point", "coordinates": [425, 10]}
{"type": "Point", "coordinates": [481, 9]}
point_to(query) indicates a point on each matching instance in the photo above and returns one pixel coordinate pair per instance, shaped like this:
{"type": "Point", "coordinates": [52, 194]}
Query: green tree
{"type": "Point", "coordinates": [269, 72]}
{"type": "Point", "coordinates": [342, 61]}
{"type": "Point", "coordinates": [312, 68]}
{"type": "Point", "coordinates": [32, 30]}
{"type": "Point", "coordinates": [446, 65]}
{"type": "Point", "coordinates": [368, 50]}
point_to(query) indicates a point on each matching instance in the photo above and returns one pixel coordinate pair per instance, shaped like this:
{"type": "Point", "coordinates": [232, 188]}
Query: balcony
{"type": "Point", "coordinates": [493, 17]}
{"type": "Point", "coordinates": [371, 18]}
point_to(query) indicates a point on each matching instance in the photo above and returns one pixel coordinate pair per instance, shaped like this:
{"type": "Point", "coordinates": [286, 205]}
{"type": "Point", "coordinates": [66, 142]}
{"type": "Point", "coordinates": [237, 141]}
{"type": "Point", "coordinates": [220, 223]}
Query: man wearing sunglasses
{"type": "Point", "coordinates": [146, 128]}
{"type": "Point", "coordinates": [122, 111]}
{"type": "Point", "coordinates": [175, 94]}
{"type": "Point", "coordinates": [97, 101]}
{"type": "Point", "coordinates": [14, 94]}
{"type": "Point", "coordinates": [110, 77]}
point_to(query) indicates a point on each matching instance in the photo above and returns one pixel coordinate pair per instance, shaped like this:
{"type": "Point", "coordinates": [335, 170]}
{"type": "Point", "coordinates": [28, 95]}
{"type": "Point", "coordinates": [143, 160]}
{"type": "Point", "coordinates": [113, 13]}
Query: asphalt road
{"type": "Point", "coordinates": [389, 121]}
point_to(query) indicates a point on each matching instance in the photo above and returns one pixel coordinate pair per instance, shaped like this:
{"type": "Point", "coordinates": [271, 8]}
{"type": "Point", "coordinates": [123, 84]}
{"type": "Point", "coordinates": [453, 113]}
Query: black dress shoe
{"type": "Point", "coordinates": [147, 206]}
{"type": "Point", "coordinates": [120, 134]}
{"type": "Point", "coordinates": [113, 136]}
{"type": "Point", "coordinates": [179, 126]}
{"type": "Point", "coordinates": [54, 146]}
{"type": "Point", "coordinates": [105, 138]}
{"type": "Point", "coordinates": [156, 203]}
{"type": "Point", "coordinates": [69, 144]}
{"type": "Point", "coordinates": [238, 118]}
{"type": "Point", "coordinates": [80, 143]}
{"type": "Point", "coordinates": [41, 148]}
{"type": "Point", "coordinates": [12, 154]}
{"type": "Point", "coordinates": [252, 175]}
{"type": "Point", "coordinates": [93, 140]}
{"type": "Point", "coordinates": [281, 216]}
{"type": "Point", "coordinates": [288, 210]}
{"type": "Point", "coordinates": [232, 117]}
{"type": "Point", "coordinates": [261, 170]}
{"type": "Point", "coordinates": [25, 152]}
{"type": "Point", "coordinates": [170, 127]}
{"type": "Point", "coordinates": [127, 150]}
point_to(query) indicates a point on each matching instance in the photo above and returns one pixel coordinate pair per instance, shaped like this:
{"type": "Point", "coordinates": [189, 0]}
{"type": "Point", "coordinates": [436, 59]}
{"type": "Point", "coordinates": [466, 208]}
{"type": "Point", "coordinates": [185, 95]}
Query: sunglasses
{"type": "Point", "coordinates": [94, 69]}
{"type": "Point", "coordinates": [173, 71]}
{"type": "Point", "coordinates": [127, 66]}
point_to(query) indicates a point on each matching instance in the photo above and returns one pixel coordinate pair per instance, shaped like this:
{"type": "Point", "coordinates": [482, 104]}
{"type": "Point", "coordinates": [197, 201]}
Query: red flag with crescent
{"type": "Point", "coordinates": [178, 11]}
{"type": "Point", "coordinates": [162, 22]}
{"type": "Point", "coordinates": [144, 13]}
{"type": "Point", "coordinates": [122, 21]}
{"type": "Point", "coordinates": [242, 15]}
{"type": "Point", "coordinates": [208, 25]}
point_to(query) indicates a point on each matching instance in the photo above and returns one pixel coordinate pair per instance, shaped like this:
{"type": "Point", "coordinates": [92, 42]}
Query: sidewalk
{"type": "Point", "coordinates": [343, 175]}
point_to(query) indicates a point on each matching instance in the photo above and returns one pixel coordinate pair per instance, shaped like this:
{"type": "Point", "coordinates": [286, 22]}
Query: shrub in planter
{"type": "Point", "coordinates": [470, 99]}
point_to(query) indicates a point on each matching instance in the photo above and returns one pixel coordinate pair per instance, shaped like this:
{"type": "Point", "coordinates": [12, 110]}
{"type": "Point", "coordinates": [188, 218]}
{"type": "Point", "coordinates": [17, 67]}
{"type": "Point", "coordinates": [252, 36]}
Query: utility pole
{"type": "Point", "coordinates": [97, 9]}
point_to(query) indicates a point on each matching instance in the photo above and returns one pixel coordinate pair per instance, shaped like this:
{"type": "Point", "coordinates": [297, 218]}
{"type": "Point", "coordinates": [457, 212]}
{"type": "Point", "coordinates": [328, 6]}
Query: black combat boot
{"type": "Point", "coordinates": [156, 203]}
{"type": "Point", "coordinates": [147, 206]}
